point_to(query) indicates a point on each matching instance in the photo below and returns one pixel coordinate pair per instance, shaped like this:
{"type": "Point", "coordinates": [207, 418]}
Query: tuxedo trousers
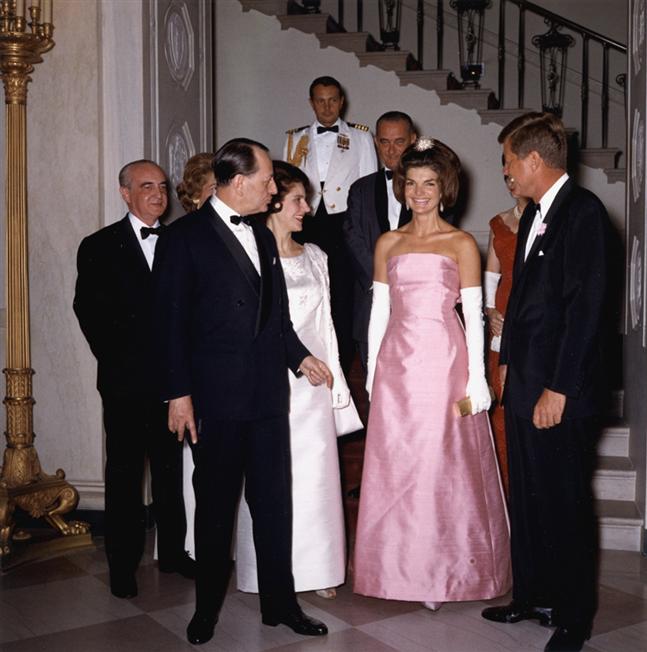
{"type": "Point", "coordinates": [258, 452]}
{"type": "Point", "coordinates": [554, 537]}
{"type": "Point", "coordinates": [325, 230]}
{"type": "Point", "coordinates": [136, 429]}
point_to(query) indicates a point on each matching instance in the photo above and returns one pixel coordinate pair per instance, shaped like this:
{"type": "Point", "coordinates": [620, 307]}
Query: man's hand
{"type": "Point", "coordinates": [315, 371]}
{"type": "Point", "coordinates": [503, 371]}
{"type": "Point", "coordinates": [495, 321]}
{"type": "Point", "coordinates": [180, 418]}
{"type": "Point", "coordinates": [548, 409]}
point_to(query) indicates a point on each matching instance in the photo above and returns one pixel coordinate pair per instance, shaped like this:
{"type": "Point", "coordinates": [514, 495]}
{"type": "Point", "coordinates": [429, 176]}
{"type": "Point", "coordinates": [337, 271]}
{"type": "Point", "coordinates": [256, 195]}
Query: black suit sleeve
{"type": "Point", "coordinates": [357, 238]}
{"type": "Point", "coordinates": [584, 281]}
{"type": "Point", "coordinates": [93, 304]}
{"type": "Point", "coordinates": [173, 283]}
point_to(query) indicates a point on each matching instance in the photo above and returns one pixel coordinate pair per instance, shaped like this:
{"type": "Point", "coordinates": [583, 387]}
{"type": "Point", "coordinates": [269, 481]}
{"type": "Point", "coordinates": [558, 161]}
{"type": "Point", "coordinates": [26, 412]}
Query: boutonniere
{"type": "Point", "coordinates": [343, 142]}
{"type": "Point", "coordinates": [541, 229]}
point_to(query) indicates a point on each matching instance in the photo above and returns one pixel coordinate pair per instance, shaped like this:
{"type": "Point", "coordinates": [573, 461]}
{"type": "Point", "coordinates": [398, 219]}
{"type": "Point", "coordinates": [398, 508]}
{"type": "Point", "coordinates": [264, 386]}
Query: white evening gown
{"type": "Point", "coordinates": [318, 540]}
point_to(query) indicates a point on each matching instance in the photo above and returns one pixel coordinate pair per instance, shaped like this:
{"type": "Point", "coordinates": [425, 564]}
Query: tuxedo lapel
{"type": "Point", "coordinates": [265, 304]}
{"type": "Point", "coordinates": [381, 202]}
{"type": "Point", "coordinates": [554, 208]}
{"type": "Point", "coordinates": [132, 249]}
{"type": "Point", "coordinates": [236, 250]}
{"type": "Point", "coordinates": [522, 236]}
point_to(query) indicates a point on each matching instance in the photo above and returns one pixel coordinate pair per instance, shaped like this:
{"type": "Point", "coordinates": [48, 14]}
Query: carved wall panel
{"type": "Point", "coordinates": [179, 79]}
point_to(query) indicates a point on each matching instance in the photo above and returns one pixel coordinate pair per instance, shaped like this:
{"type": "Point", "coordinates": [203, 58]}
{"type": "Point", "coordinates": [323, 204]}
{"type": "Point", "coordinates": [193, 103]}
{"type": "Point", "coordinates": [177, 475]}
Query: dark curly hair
{"type": "Point", "coordinates": [285, 176]}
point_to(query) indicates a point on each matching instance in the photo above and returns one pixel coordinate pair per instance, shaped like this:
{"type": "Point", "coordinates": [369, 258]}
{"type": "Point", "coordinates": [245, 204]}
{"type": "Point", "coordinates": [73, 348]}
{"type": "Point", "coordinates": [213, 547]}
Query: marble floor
{"type": "Point", "coordinates": [64, 604]}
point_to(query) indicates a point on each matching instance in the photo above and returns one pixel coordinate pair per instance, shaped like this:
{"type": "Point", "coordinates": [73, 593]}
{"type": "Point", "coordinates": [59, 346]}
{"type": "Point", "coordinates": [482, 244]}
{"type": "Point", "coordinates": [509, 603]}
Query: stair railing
{"type": "Point", "coordinates": [552, 48]}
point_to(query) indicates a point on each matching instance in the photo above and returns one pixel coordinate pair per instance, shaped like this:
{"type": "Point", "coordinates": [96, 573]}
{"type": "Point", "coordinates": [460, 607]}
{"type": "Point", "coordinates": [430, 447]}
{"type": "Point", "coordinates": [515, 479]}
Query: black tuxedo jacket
{"type": "Point", "coordinates": [225, 335]}
{"type": "Point", "coordinates": [367, 217]}
{"type": "Point", "coordinates": [553, 328]}
{"type": "Point", "coordinates": [114, 308]}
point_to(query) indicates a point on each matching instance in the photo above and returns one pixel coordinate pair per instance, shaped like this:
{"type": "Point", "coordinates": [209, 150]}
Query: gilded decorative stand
{"type": "Point", "coordinates": [22, 482]}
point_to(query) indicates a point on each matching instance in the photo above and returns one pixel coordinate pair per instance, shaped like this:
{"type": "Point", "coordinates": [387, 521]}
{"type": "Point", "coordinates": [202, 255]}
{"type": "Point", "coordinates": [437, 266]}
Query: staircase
{"type": "Point", "coordinates": [403, 63]}
{"type": "Point", "coordinates": [621, 524]}
{"type": "Point", "coordinates": [614, 485]}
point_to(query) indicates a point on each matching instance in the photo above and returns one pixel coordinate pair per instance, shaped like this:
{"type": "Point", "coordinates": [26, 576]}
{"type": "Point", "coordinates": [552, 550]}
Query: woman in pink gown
{"type": "Point", "coordinates": [432, 524]}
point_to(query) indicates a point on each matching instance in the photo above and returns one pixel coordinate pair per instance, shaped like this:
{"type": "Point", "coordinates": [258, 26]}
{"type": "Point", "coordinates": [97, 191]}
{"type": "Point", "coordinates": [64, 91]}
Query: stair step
{"type": "Point", "coordinates": [501, 116]}
{"type": "Point", "coordinates": [391, 60]}
{"type": "Point", "coordinates": [616, 175]}
{"type": "Point", "coordinates": [346, 41]}
{"type": "Point", "coordinates": [620, 525]}
{"type": "Point", "coordinates": [268, 7]}
{"type": "Point", "coordinates": [614, 442]}
{"type": "Point", "coordinates": [431, 80]}
{"type": "Point", "coordinates": [598, 157]}
{"type": "Point", "coordinates": [308, 23]}
{"type": "Point", "coordinates": [469, 98]}
{"type": "Point", "coordinates": [614, 479]}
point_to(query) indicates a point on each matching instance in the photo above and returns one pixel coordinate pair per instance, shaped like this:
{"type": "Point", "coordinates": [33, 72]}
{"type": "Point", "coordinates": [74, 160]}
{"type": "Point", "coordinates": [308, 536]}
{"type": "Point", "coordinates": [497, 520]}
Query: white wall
{"type": "Point", "coordinates": [262, 91]}
{"type": "Point", "coordinates": [85, 116]}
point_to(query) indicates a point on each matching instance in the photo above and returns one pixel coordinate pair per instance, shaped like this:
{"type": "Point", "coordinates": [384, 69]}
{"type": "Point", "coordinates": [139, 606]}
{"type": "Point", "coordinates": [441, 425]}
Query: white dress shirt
{"type": "Point", "coordinates": [243, 232]}
{"type": "Point", "coordinates": [544, 206]}
{"type": "Point", "coordinates": [395, 206]}
{"type": "Point", "coordinates": [148, 245]}
{"type": "Point", "coordinates": [326, 143]}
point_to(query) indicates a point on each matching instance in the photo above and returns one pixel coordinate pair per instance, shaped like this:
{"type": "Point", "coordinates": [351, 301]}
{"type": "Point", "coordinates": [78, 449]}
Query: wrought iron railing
{"type": "Point", "coordinates": [467, 18]}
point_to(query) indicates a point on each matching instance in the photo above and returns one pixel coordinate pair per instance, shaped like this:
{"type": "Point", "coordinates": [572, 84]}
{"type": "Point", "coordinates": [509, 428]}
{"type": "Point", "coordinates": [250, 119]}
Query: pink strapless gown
{"type": "Point", "coordinates": [432, 522]}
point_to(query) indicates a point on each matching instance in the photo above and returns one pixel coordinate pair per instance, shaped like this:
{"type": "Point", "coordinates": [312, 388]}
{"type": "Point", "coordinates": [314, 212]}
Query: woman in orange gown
{"type": "Point", "coordinates": [498, 282]}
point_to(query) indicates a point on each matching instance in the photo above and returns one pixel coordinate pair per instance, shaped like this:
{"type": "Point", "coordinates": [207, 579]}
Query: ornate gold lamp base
{"type": "Point", "coordinates": [24, 38]}
{"type": "Point", "coordinates": [47, 497]}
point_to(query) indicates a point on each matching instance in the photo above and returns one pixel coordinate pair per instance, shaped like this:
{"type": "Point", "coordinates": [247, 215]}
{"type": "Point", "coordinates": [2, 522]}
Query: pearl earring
{"type": "Point", "coordinates": [442, 208]}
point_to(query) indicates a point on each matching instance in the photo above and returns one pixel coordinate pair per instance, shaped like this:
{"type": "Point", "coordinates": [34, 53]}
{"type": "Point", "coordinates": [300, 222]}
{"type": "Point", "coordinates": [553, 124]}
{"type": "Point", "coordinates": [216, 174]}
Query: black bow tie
{"type": "Point", "coordinates": [389, 174]}
{"type": "Point", "coordinates": [536, 208]}
{"type": "Point", "coordinates": [237, 219]}
{"type": "Point", "coordinates": [150, 230]}
{"type": "Point", "coordinates": [321, 130]}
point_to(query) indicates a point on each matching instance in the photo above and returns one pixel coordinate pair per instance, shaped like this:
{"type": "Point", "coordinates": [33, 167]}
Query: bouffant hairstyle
{"type": "Point", "coordinates": [434, 154]}
{"type": "Point", "coordinates": [537, 132]}
{"type": "Point", "coordinates": [286, 176]}
{"type": "Point", "coordinates": [195, 174]}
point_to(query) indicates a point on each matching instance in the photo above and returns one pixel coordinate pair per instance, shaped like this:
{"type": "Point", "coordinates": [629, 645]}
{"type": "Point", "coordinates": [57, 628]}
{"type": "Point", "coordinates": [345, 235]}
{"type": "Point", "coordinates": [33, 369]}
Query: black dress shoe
{"type": "Point", "coordinates": [566, 640]}
{"type": "Point", "coordinates": [514, 612]}
{"type": "Point", "coordinates": [200, 629]}
{"type": "Point", "coordinates": [123, 585]}
{"type": "Point", "coordinates": [183, 565]}
{"type": "Point", "coordinates": [298, 622]}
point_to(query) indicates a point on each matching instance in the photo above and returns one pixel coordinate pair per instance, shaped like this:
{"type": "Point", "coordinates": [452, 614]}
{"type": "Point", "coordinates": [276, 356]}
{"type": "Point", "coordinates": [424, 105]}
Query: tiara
{"type": "Point", "coordinates": [423, 143]}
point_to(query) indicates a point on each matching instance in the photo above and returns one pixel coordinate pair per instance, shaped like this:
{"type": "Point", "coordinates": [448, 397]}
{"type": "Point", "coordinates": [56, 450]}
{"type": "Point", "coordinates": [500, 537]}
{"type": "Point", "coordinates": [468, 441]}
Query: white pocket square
{"type": "Point", "coordinates": [541, 253]}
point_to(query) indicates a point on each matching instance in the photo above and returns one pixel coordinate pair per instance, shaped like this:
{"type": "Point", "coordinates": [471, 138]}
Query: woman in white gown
{"type": "Point", "coordinates": [317, 414]}
{"type": "Point", "coordinates": [318, 541]}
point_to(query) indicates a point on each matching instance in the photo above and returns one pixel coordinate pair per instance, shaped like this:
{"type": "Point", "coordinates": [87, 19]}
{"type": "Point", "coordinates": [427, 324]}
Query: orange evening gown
{"type": "Point", "coordinates": [505, 243]}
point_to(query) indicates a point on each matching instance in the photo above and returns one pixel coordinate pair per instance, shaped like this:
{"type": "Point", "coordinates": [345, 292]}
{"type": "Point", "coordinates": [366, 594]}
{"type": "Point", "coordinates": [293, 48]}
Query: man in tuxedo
{"type": "Point", "coordinates": [113, 305]}
{"type": "Point", "coordinates": [333, 153]}
{"type": "Point", "coordinates": [372, 210]}
{"type": "Point", "coordinates": [226, 343]}
{"type": "Point", "coordinates": [552, 373]}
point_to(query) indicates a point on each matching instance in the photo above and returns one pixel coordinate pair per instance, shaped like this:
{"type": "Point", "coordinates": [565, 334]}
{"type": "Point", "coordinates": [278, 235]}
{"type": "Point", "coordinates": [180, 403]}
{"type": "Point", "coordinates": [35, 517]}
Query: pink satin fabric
{"type": "Point", "coordinates": [432, 523]}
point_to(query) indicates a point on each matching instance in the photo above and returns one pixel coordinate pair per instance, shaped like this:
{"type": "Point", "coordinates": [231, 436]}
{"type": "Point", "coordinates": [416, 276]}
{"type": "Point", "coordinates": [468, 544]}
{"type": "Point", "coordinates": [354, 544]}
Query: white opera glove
{"type": "Point", "coordinates": [491, 284]}
{"type": "Point", "coordinates": [380, 313]}
{"type": "Point", "coordinates": [477, 388]}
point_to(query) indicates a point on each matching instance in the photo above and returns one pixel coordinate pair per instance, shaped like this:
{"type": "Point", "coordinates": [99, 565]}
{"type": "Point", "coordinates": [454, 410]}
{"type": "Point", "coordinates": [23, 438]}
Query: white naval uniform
{"type": "Point", "coordinates": [343, 167]}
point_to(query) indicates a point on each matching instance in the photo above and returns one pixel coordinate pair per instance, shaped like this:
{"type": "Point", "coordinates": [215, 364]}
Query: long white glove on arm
{"type": "Point", "coordinates": [477, 387]}
{"type": "Point", "coordinates": [491, 284]}
{"type": "Point", "coordinates": [380, 312]}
